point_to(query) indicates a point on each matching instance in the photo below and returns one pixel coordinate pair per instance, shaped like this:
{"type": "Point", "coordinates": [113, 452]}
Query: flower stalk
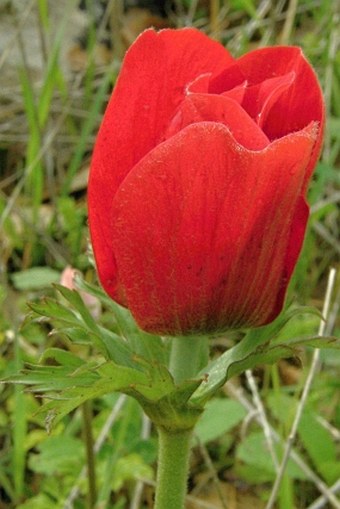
{"type": "Point", "coordinates": [188, 354]}
{"type": "Point", "coordinates": [173, 466]}
{"type": "Point", "coordinates": [174, 446]}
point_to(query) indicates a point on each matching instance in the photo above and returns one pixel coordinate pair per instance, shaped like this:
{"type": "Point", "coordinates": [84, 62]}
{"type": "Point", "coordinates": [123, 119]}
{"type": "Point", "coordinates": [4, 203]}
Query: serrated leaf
{"type": "Point", "coordinates": [257, 347]}
{"type": "Point", "coordinates": [161, 382]}
{"type": "Point", "coordinates": [219, 370]}
{"type": "Point", "coordinates": [141, 343]}
{"type": "Point", "coordinates": [50, 308]}
{"type": "Point", "coordinates": [137, 342]}
{"type": "Point", "coordinates": [78, 327]}
{"type": "Point", "coordinates": [52, 378]}
{"type": "Point", "coordinates": [62, 357]}
{"type": "Point", "coordinates": [73, 382]}
{"type": "Point", "coordinates": [94, 290]}
{"type": "Point", "coordinates": [316, 342]}
{"type": "Point", "coordinates": [76, 335]}
{"type": "Point", "coordinates": [110, 378]}
{"type": "Point", "coordinates": [129, 377]}
{"type": "Point", "coordinates": [117, 349]}
{"type": "Point", "coordinates": [144, 345]}
{"type": "Point", "coordinates": [274, 352]}
{"type": "Point", "coordinates": [73, 297]}
{"type": "Point", "coordinates": [123, 317]}
{"type": "Point", "coordinates": [184, 391]}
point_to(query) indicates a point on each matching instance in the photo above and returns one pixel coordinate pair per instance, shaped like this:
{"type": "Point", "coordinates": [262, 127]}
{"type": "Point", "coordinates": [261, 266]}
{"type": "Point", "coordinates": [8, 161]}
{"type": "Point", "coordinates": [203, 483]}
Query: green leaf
{"type": "Point", "coordinates": [74, 381]}
{"type": "Point", "coordinates": [53, 310]}
{"type": "Point", "coordinates": [34, 278]}
{"type": "Point", "coordinates": [257, 347]}
{"type": "Point", "coordinates": [90, 381]}
{"type": "Point", "coordinates": [245, 5]}
{"type": "Point", "coordinates": [142, 344]}
{"type": "Point", "coordinates": [41, 501]}
{"type": "Point", "coordinates": [184, 391]}
{"type": "Point", "coordinates": [67, 389]}
{"type": "Point", "coordinates": [62, 357]}
{"type": "Point", "coordinates": [316, 342]}
{"type": "Point", "coordinates": [219, 417]}
{"type": "Point", "coordinates": [235, 360]}
{"type": "Point", "coordinates": [254, 462]}
{"type": "Point", "coordinates": [77, 324]}
{"type": "Point", "coordinates": [130, 467]}
{"type": "Point", "coordinates": [54, 378]}
{"type": "Point", "coordinates": [117, 349]}
{"type": "Point", "coordinates": [58, 455]}
{"type": "Point", "coordinates": [319, 446]}
{"type": "Point", "coordinates": [73, 297]}
{"type": "Point", "coordinates": [161, 382]}
{"type": "Point", "coordinates": [283, 407]}
{"type": "Point", "coordinates": [94, 290]}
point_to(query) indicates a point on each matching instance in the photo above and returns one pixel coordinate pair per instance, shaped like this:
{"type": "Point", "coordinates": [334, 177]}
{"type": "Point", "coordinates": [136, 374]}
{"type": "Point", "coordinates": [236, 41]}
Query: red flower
{"type": "Point", "coordinates": [198, 179]}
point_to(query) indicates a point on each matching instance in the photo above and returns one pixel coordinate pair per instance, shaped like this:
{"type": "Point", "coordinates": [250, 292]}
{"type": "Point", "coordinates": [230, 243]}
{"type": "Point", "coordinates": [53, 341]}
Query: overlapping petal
{"type": "Point", "coordinates": [197, 187]}
{"type": "Point", "coordinates": [260, 99]}
{"type": "Point", "coordinates": [300, 104]}
{"type": "Point", "coordinates": [152, 83]}
{"type": "Point", "coordinates": [206, 232]}
{"type": "Point", "coordinates": [223, 109]}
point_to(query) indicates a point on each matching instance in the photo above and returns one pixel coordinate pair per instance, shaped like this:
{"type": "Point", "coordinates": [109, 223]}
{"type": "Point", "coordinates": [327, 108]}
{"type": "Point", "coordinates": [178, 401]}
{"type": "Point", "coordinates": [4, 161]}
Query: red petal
{"type": "Point", "coordinates": [218, 108]}
{"type": "Point", "coordinates": [260, 98]}
{"type": "Point", "coordinates": [228, 79]}
{"type": "Point", "coordinates": [150, 86]}
{"type": "Point", "coordinates": [237, 93]}
{"type": "Point", "coordinates": [203, 230]}
{"type": "Point", "coordinates": [200, 85]}
{"type": "Point", "coordinates": [296, 237]}
{"type": "Point", "coordinates": [300, 104]}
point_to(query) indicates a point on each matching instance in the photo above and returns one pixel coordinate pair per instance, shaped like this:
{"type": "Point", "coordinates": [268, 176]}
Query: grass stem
{"type": "Point", "coordinates": [90, 457]}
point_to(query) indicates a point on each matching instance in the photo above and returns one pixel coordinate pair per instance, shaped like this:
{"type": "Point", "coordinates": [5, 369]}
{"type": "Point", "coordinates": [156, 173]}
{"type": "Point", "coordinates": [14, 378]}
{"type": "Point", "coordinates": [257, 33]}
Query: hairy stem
{"type": "Point", "coordinates": [188, 355]}
{"type": "Point", "coordinates": [173, 465]}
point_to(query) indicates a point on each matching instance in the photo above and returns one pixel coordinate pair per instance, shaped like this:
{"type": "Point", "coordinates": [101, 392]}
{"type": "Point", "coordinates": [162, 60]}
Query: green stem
{"type": "Point", "coordinates": [173, 465]}
{"type": "Point", "coordinates": [188, 355]}
{"type": "Point", "coordinates": [91, 467]}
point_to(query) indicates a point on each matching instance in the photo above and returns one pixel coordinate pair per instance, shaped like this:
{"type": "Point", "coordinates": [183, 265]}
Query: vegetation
{"type": "Point", "coordinates": [103, 454]}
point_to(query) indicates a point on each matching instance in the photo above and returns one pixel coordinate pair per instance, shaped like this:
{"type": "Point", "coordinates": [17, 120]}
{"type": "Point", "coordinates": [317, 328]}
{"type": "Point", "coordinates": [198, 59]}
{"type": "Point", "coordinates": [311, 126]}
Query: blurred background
{"type": "Point", "coordinates": [58, 64]}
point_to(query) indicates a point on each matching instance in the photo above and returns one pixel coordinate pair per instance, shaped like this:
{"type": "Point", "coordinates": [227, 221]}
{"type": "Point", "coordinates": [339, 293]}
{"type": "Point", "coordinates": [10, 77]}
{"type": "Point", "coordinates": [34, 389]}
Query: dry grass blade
{"type": "Point", "coordinates": [68, 504]}
{"type": "Point", "coordinates": [262, 415]}
{"type": "Point", "coordinates": [212, 471]}
{"type": "Point", "coordinates": [238, 394]}
{"type": "Point", "coordinates": [6, 51]}
{"type": "Point", "coordinates": [289, 23]}
{"type": "Point", "coordinates": [327, 236]}
{"type": "Point", "coordinates": [329, 75]}
{"type": "Point", "coordinates": [214, 19]}
{"type": "Point", "coordinates": [307, 387]}
{"type": "Point", "coordinates": [137, 495]}
{"type": "Point", "coordinates": [322, 501]}
{"type": "Point", "coordinates": [253, 24]}
{"type": "Point", "coordinates": [333, 198]}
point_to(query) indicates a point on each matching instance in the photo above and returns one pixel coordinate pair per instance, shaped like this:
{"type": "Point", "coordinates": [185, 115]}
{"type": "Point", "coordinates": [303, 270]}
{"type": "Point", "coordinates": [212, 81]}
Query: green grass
{"type": "Point", "coordinates": [44, 154]}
